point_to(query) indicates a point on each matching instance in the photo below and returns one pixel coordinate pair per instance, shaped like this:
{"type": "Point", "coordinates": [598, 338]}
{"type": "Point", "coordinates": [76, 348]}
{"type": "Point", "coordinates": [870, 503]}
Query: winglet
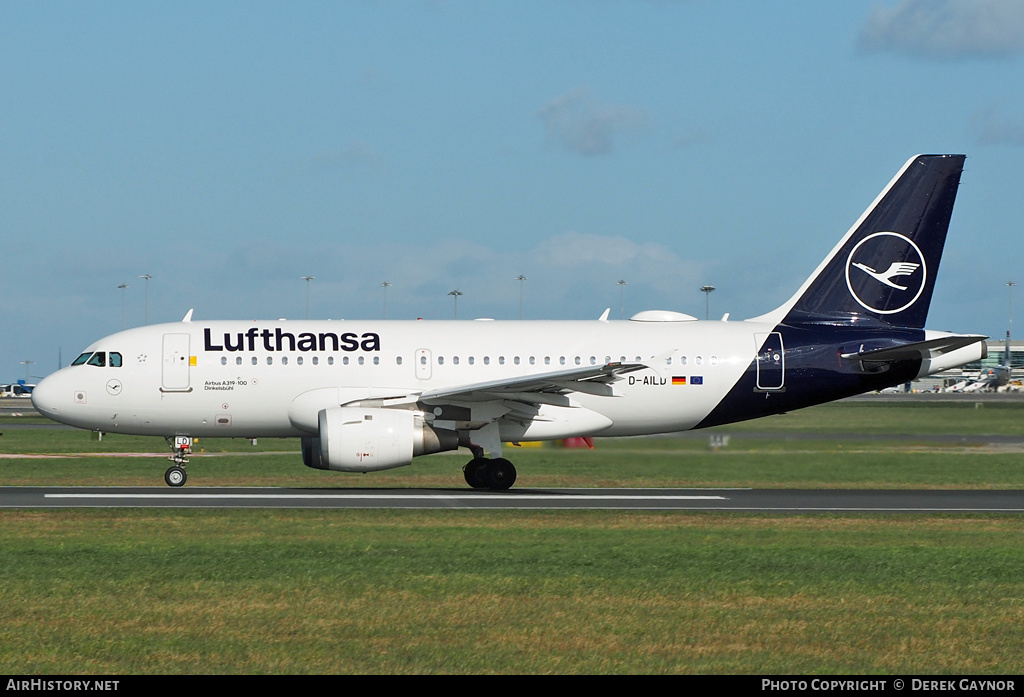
{"type": "Point", "coordinates": [604, 315]}
{"type": "Point", "coordinates": [188, 317]}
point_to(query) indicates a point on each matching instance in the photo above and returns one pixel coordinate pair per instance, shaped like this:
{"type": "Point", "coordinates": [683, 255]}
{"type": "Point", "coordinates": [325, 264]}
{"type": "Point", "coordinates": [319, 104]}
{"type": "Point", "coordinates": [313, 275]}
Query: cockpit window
{"type": "Point", "coordinates": [99, 359]}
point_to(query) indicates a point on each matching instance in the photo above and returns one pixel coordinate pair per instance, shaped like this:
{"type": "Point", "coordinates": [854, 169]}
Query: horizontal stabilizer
{"type": "Point", "coordinates": [921, 349]}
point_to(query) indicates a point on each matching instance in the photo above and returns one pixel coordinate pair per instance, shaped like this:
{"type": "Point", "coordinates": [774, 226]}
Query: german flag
{"type": "Point", "coordinates": [678, 380]}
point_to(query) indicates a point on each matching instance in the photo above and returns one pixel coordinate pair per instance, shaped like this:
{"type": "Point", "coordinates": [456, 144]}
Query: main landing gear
{"type": "Point", "coordinates": [485, 473]}
{"type": "Point", "coordinates": [176, 474]}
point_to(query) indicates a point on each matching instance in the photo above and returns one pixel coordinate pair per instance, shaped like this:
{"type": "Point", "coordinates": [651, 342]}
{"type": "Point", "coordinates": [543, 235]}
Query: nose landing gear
{"type": "Point", "coordinates": [176, 474]}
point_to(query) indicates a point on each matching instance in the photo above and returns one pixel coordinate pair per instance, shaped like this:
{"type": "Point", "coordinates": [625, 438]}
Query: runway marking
{"type": "Point", "coordinates": [476, 497]}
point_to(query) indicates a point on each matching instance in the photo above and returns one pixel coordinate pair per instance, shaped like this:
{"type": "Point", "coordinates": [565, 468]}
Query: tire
{"type": "Point", "coordinates": [474, 472]}
{"type": "Point", "coordinates": [175, 476]}
{"type": "Point", "coordinates": [500, 474]}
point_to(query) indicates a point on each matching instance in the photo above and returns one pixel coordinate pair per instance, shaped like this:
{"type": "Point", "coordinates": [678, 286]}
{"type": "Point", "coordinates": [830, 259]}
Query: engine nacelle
{"type": "Point", "coordinates": [357, 439]}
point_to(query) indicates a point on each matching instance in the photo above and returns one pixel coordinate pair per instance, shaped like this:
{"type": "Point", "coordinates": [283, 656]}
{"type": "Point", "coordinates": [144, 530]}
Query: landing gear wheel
{"type": "Point", "coordinates": [474, 472]}
{"type": "Point", "coordinates": [500, 474]}
{"type": "Point", "coordinates": [175, 476]}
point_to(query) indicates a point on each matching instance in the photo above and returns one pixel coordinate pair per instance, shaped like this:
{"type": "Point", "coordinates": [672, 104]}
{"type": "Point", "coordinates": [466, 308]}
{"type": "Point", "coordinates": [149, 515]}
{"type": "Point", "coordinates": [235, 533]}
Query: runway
{"type": "Point", "coordinates": [737, 500]}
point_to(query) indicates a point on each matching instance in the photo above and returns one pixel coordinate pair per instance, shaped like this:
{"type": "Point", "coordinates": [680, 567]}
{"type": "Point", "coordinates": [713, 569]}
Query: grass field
{"type": "Point", "coordinates": [374, 591]}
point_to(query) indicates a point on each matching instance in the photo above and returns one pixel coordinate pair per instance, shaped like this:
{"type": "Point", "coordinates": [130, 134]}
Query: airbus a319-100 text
{"type": "Point", "coordinates": [371, 395]}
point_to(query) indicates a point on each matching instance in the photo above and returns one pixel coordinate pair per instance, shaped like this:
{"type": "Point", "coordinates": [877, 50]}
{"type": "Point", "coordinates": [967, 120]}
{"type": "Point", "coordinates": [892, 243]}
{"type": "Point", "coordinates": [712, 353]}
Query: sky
{"type": "Point", "coordinates": [230, 149]}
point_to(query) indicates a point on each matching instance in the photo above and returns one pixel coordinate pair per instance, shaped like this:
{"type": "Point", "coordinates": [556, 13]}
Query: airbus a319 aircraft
{"type": "Point", "coordinates": [370, 395]}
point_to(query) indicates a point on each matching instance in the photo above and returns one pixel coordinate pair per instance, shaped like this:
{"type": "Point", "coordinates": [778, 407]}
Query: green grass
{"type": "Point", "coordinates": [508, 592]}
{"type": "Point", "coordinates": [127, 591]}
{"type": "Point", "coordinates": [917, 419]}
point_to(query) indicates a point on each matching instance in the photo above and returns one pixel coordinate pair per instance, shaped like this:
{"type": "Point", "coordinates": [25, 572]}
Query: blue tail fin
{"type": "Point", "coordinates": [883, 271]}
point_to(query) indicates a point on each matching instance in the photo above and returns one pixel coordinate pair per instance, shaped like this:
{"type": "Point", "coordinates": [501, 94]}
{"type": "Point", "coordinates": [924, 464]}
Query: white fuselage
{"type": "Point", "coordinates": [242, 379]}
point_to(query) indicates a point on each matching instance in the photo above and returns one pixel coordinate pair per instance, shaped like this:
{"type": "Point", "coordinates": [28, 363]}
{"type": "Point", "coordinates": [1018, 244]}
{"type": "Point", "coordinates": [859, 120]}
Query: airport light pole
{"type": "Point", "coordinates": [1009, 293]}
{"type": "Point", "coordinates": [385, 285]}
{"type": "Point", "coordinates": [122, 287]}
{"type": "Point", "coordinates": [455, 294]}
{"type": "Point", "coordinates": [521, 278]}
{"type": "Point", "coordinates": [622, 296]}
{"type": "Point", "coordinates": [146, 278]}
{"type": "Point", "coordinates": [307, 279]}
{"type": "Point", "coordinates": [707, 291]}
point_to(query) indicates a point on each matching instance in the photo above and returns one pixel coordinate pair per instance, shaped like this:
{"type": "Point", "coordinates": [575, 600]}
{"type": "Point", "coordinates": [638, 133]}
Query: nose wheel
{"type": "Point", "coordinates": [175, 476]}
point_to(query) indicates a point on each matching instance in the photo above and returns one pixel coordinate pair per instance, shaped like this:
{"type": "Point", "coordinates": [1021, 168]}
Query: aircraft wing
{"type": "Point", "coordinates": [595, 380]}
{"type": "Point", "coordinates": [921, 349]}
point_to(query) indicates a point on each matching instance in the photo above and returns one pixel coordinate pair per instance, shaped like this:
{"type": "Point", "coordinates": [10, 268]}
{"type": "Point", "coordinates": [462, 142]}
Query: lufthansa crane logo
{"type": "Point", "coordinates": [886, 272]}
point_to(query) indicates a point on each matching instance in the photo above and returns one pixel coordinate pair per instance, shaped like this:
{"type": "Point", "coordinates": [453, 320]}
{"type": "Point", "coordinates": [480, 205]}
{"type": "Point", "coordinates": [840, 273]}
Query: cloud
{"type": "Point", "coordinates": [946, 29]}
{"type": "Point", "coordinates": [586, 126]}
{"type": "Point", "coordinates": [355, 155]}
{"type": "Point", "coordinates": [994, 128]}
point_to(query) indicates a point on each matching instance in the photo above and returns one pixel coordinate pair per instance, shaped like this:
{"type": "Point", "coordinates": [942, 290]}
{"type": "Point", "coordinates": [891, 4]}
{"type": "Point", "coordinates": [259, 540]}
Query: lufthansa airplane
{"type": "Point", "coordinates": [370, 395]}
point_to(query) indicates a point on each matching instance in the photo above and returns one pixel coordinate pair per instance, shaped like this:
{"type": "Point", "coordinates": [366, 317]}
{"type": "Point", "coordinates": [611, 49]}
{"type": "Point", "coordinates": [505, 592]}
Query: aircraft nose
{"type": "Point", "coordinates": [45, 397]}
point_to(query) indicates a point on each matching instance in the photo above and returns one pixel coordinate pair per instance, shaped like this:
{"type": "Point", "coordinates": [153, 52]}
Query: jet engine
{"type": "Point", "coordinates": [357, 439]}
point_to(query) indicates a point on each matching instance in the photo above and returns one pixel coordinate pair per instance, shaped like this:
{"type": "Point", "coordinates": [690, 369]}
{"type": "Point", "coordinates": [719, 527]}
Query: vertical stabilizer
{"type": "Point", "coordinates": [884, 269]}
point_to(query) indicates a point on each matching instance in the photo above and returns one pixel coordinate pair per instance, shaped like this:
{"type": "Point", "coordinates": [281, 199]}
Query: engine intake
{"type": "Point", "coordinates": [358, 439]}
